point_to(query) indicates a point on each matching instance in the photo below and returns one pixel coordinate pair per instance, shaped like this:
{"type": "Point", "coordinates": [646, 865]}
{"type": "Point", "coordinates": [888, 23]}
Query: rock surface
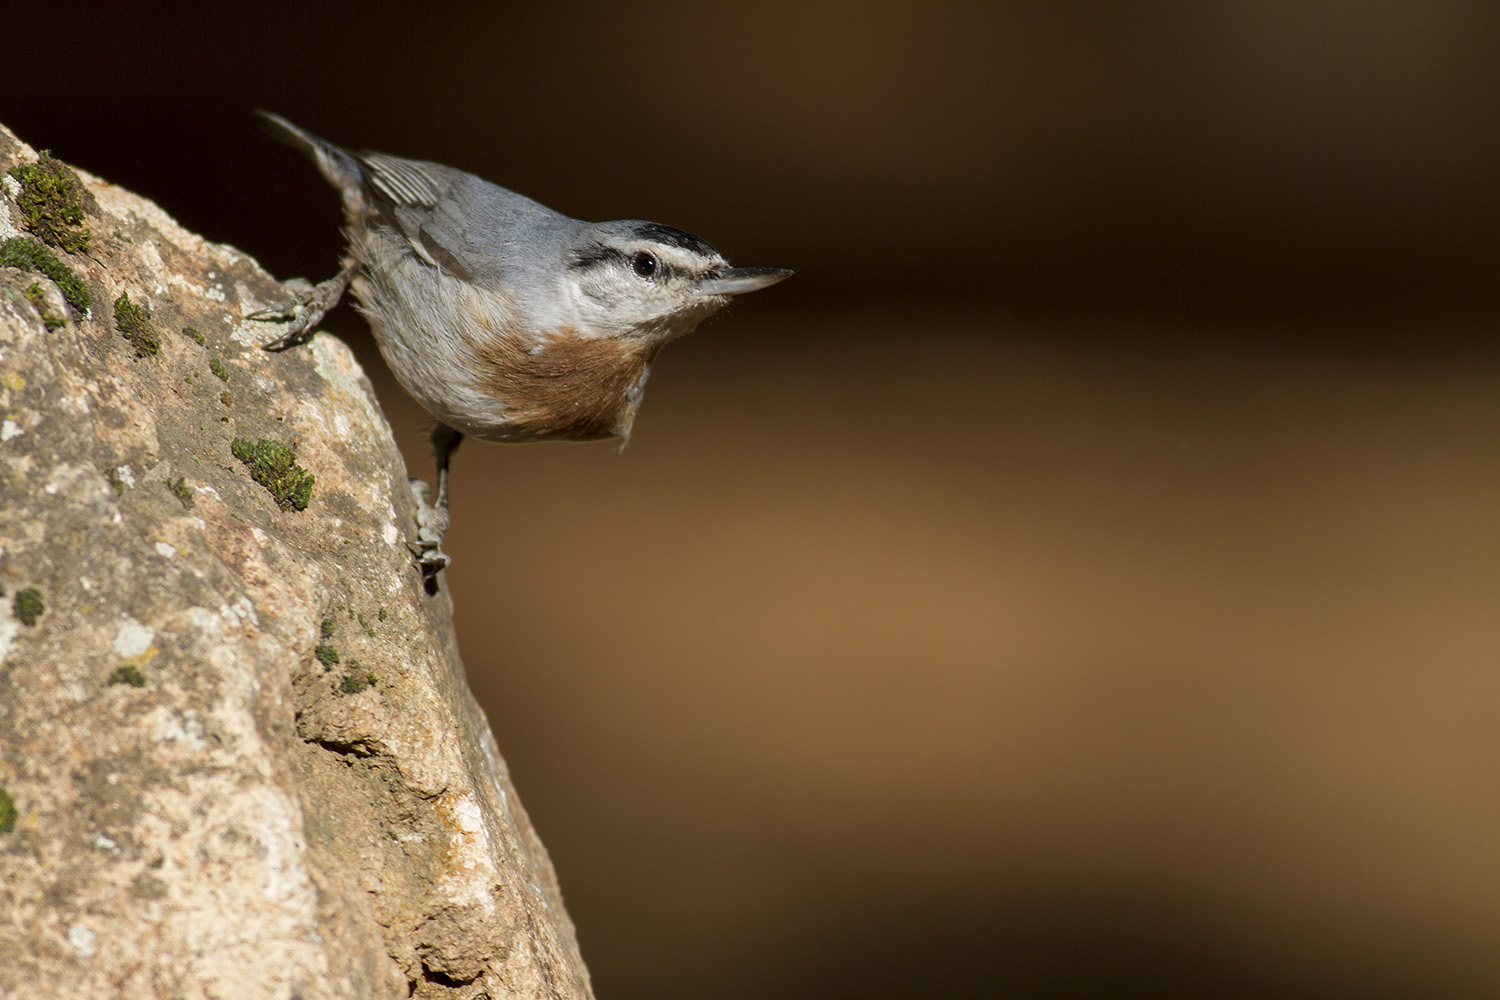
{"type": "Point", "coordinates": [241, 753]}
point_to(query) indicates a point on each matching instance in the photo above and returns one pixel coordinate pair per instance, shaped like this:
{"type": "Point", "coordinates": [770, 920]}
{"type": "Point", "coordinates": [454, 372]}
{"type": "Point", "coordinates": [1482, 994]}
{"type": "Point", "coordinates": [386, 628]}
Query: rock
{"type": "Point", "coordinates": [238, 756]}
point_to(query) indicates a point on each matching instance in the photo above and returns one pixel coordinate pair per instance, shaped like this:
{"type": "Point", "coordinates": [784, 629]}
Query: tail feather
{"type": "Point", "coordinates": [336, 164]}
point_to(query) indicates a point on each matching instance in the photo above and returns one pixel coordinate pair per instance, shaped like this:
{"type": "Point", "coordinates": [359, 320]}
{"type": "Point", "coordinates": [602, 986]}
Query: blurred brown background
{"type": "Point", "coordinates": [1081, 579]}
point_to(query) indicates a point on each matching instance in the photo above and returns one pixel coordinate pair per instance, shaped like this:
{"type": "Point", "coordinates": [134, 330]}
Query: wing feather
{"type": "Point", "coordinates": [405, 182]}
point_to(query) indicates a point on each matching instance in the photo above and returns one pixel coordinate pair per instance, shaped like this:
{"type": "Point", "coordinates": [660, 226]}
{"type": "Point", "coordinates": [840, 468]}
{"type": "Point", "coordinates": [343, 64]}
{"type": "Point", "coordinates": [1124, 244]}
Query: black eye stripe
{"type": "Point", "coordinates": [594, 255]}
{"type": "Point", "coordinates": [597, 253]}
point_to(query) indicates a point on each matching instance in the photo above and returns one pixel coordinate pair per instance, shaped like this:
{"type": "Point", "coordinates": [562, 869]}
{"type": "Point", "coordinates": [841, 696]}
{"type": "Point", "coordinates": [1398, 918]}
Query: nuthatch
{"type": "Point", "coordinates": [506, 320]}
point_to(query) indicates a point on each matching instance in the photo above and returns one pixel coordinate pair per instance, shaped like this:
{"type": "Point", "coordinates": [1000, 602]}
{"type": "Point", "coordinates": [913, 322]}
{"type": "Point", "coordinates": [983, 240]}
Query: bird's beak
{"type": "Point", "coordinates": [738, 280]}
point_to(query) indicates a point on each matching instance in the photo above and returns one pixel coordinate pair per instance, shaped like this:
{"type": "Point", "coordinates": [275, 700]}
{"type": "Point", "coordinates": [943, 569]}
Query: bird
{"type": "Point", "coordinates": [507, 321]}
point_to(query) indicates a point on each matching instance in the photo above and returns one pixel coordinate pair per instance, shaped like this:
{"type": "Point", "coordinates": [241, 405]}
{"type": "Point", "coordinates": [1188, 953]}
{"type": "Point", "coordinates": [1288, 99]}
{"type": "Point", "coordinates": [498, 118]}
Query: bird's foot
{"type": "Point", "coordinates": [426, 551]}
{"type": "Point", "coordinates": [304, 310]}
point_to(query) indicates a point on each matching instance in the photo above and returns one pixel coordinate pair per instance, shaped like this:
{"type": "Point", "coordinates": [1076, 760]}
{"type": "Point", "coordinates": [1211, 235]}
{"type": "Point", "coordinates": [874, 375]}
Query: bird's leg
{"type": "Point", "coordinates": [305, 309]}
{"type": "Point", "coordinates": [432, 521]}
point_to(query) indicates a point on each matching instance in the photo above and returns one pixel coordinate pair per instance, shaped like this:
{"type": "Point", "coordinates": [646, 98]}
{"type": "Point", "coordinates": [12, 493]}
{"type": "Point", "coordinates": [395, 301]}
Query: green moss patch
{"type": "Point", "coordinates": [217, 367]}
{"type": "Point", "coordinates": [38, 299]}
{"type": "Point", "coordinates": [7, 812]}
{"type": "Point", "coordinates": [52, 202]}
{"type": "Point", "coordinates": [355, 683]}
{"type": "Point", "coordinates": [326, 655]}
{"type": "Point", "coordinates": [182, 491]}
{"type": "Point", "coordinates": [28, 606]}
{"type": "Point", "coordinates": [128, 675]}
{"type": "Point", "coordinates": [134, 323]}
{"type": "Point", "coordinates": [274, 466]}
{"type": "Point", "coordinates": [29, 255]}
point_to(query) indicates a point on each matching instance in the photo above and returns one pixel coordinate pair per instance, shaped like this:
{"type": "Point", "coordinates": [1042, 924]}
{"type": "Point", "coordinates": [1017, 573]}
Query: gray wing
{"type": "Point", "coordinates": [466, 226]}
{"type": "Point", "coordinates": [407, 193]}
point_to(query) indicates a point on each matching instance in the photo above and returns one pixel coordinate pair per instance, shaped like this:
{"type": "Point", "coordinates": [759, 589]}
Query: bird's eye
{"type": "Point", "coordinates": [644, 264]}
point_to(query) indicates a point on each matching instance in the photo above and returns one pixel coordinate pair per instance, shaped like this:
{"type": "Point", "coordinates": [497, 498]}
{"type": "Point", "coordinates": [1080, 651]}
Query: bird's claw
{"type": "Point", "coordinates": [430, 561]}
{"type": "Point", "coordinates": [304, 310]}
{"type": "Point", "coordinates": [426, 551]}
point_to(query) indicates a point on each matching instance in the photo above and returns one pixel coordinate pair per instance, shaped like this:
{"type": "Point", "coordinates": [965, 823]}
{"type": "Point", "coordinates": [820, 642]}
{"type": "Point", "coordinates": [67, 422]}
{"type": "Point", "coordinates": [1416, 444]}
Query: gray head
{"type": "Point", "coordinates": [646, 280]}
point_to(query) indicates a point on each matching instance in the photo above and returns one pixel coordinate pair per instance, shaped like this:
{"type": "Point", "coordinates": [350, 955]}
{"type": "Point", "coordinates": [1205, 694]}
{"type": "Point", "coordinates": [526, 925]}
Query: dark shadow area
{"type": "Point", "coordinates": [1071, 942]}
